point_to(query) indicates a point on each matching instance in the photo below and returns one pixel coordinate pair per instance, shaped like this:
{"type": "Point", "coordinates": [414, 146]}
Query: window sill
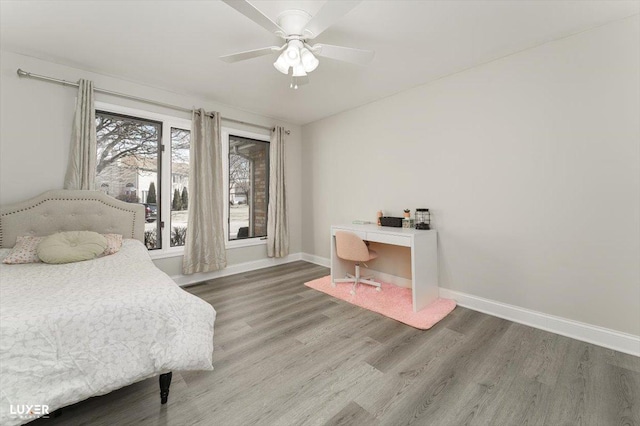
{"type": "Point", "coordinates": [230, 245]}
{"type": "Point", "coordinates": [163, 254]}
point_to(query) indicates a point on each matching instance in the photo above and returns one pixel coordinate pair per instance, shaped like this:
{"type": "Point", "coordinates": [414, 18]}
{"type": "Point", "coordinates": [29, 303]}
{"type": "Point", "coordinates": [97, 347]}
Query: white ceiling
{"type": "Point", "coordinates": [175, 45]}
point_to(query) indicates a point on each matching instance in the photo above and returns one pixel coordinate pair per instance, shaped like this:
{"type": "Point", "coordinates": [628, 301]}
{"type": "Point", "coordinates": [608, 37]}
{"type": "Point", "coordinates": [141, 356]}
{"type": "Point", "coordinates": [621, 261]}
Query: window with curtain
{"type": "Point", "coordinates": [144, 158]}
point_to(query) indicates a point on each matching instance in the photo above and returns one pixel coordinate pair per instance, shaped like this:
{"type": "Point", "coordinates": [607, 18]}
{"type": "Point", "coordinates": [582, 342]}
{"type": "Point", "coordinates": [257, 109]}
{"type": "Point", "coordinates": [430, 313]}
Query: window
{"type": "Point", "coordinates": [180, 140]}
{"type": "Point", "coordinates": [246, 181]}
{"type": "Point", "coordinates": [131, 167]}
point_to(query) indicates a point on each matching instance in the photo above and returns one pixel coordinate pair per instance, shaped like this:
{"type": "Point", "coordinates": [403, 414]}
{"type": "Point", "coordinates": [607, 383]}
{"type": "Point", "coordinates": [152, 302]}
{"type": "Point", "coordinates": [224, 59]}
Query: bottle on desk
{"type": "Point", "coordinates": [379, 217]}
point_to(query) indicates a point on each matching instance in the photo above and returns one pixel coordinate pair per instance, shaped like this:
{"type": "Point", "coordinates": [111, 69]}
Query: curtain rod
{"type": "Point", "coordinates": [26, 74]}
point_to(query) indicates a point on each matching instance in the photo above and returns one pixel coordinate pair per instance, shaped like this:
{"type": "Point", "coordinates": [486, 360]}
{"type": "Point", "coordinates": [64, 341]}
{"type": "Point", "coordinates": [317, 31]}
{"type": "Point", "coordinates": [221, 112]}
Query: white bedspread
{"type": "Point", "coordinates": [68, 332]}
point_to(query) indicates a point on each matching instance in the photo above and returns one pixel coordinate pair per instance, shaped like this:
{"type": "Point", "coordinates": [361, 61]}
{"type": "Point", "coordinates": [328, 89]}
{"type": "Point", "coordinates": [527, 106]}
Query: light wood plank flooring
{"type": "Point", "coordinates": [288, 355]}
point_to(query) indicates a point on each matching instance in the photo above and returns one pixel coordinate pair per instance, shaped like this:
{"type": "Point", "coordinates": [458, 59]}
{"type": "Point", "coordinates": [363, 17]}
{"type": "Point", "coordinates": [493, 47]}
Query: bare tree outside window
{"type": "Point", "coordinates": [239, 178]}
{"type": "Point", "coordinates": [125, 138]}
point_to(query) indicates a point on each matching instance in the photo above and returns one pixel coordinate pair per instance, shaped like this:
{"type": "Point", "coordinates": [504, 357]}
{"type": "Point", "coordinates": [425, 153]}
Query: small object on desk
{"type": "Point", "coordinates": [362, 222]}
{"type": "Point", "coordinates": [423, 219]}
{"type": "Point", "coordinates": [379, 217]}
{"type": "Point", "coordinates": [395, 222]}
{"type": "Point", "coordinates": [407, 222]}
{"type": "Point", "coordinates": [407, 213]}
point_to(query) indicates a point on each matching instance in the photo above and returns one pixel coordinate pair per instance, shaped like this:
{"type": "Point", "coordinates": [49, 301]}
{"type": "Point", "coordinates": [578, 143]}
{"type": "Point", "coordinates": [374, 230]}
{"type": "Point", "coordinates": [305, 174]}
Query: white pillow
{"type": "Point", "coordinates": [73, 246]}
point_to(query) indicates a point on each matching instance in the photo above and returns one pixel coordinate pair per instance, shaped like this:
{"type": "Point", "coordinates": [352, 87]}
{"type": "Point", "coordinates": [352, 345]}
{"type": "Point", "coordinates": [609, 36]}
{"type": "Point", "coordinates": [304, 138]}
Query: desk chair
{"type": "Point", "coordinates": [351, 247]}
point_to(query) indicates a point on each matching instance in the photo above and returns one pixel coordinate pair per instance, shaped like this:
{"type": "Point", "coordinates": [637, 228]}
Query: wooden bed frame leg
{"type": "Point", "coordinates": [165, 382]}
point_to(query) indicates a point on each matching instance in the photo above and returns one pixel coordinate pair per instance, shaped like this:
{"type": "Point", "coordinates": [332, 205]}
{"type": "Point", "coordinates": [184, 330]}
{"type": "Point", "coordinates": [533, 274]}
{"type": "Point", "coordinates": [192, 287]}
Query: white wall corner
{"type": "Point", "coordinates": [237, 268]}
{"type": "Point", "coordinates": [622, 342]}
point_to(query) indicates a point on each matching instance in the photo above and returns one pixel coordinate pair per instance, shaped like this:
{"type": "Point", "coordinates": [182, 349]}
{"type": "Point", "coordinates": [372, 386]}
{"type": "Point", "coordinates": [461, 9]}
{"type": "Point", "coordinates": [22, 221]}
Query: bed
{"type": "Point", "coordinates": [76, 330]}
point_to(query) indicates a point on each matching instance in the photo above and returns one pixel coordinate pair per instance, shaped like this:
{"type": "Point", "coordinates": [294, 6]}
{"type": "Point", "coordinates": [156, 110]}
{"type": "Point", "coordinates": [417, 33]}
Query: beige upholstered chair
{"type": "Point", "coordinates": [351, 247]}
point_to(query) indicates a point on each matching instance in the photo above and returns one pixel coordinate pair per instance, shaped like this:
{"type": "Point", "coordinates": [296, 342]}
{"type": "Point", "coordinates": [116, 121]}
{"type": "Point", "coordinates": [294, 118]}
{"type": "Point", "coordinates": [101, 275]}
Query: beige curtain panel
{"type": "Point", "coordinates": [81, 170]}
{"type": "Point", "coordinates": [204, 249]}
{"type": "Point", "coordinates": [277, 220]}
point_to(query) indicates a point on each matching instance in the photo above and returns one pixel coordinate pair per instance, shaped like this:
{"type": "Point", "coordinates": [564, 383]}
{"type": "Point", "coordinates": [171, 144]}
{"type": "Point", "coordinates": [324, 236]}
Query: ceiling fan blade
{"type": "Point", "coordinates": [241, 56]}
{"type": "Point", "coordinates": [251, 12]}
{"type": "Point", "coordinates": [327, 15]}
{"type": "Point", "coordinates": [346, 54]}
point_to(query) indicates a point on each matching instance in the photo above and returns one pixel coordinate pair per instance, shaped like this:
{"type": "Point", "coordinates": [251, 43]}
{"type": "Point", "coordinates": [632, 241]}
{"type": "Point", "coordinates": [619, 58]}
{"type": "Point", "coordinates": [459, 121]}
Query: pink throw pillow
{"type": "Point", "coordinates": [114, 243]}
{"type": "Point", "coordinates": [25, 250]}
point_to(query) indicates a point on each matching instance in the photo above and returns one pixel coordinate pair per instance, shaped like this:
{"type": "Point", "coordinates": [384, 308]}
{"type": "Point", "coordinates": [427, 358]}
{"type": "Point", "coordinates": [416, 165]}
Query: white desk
{"type": "Point", "coordinates": [424, 257]}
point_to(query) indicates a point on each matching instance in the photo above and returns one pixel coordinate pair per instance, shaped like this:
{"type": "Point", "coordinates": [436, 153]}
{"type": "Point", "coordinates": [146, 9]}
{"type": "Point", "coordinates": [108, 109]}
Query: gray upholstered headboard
{"type": "Point", "coordinates": [70, 210]}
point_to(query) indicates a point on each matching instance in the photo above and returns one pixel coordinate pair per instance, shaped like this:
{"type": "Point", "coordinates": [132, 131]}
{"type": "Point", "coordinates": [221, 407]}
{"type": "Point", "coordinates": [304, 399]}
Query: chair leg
{"type": "Point", "coordinates": [367, 280]}
{"type": "Point", "coordinates": [357, 280]}
{"type": "Point", "coordinates": [372, 283]}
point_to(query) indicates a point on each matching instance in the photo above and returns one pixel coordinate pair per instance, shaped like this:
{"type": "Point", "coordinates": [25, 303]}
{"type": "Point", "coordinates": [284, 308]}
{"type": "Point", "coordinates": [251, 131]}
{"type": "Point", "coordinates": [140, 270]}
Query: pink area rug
{"type": "Point", "coordinates": [393, 302]}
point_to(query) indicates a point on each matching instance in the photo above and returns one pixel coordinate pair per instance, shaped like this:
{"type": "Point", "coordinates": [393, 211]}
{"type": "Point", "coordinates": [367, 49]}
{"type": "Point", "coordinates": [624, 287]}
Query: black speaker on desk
{"type": "Point", "coordinates": [394, 222]}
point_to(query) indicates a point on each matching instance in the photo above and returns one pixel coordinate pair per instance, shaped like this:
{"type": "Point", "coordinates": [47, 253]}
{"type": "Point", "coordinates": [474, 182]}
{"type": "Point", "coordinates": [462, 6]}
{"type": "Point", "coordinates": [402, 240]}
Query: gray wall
{"type": "Point", "coordinates": [530, 164]}
{"type": "Point", "coordinates": [35, 129]}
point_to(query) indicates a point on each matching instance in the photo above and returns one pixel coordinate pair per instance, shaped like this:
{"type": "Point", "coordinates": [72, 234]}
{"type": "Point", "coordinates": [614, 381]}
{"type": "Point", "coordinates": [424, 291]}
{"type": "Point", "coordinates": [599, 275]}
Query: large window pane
{"type": "Point", "coordinates": [248, 187]}
{"type": "Point", "coordinates": [180, 140]}
{"type": "Point", "coordinates": [127, 165]}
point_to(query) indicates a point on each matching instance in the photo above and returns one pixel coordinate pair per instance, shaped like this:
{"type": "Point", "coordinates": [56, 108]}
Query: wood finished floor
{"type": "Point", "coordinates": [288, 355]}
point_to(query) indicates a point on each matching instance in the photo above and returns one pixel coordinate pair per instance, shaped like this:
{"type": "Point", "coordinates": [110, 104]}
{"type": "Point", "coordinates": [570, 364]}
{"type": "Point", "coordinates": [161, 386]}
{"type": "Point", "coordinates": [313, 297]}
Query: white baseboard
{"type": "Point", "coordinates": [622, 342]}
{"type": "Point", "coordinates": [238, 268]}
{"type": "Point", "coordinates": [386, 278]}
{"type": "Point", "coordinates": [312, 258]}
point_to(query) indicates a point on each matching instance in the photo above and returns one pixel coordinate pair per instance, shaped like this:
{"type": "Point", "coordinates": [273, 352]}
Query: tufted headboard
{"type": "Point", "coordinates": [70, 210]}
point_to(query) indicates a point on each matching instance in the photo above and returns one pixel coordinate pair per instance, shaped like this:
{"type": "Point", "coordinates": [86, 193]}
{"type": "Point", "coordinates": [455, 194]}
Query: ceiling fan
{"type": "Point", "coordinates": [298, 28]}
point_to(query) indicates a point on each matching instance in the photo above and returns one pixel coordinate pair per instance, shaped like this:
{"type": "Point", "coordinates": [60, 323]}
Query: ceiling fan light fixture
{"type": "Point", "coordinates": [309, 62]}
{"type": "Point", "coordinates": [292, 53]}
{"type": "Point", "coordinates": [298, 71]}
{"type": "Point", "coordinates": [281, 64]}
{"type": "Point", "coordinates": [297, 57]}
